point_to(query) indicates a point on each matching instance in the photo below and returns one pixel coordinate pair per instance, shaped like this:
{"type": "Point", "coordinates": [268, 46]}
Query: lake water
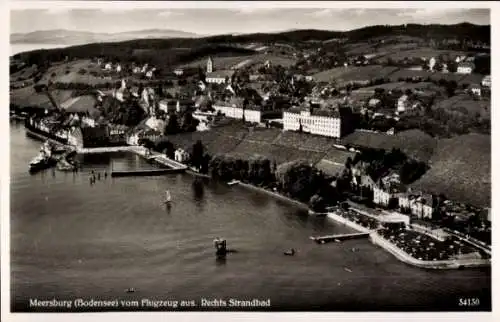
{"type": "Point", "coordinates": [22, 47]}
{"type": "Point", "coordinates": [70, 239]}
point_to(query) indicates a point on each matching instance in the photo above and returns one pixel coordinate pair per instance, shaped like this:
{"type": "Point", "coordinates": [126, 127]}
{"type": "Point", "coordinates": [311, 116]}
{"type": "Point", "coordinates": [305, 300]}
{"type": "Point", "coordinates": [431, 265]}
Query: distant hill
{"type": "Point", "coordinates": [71, 37]}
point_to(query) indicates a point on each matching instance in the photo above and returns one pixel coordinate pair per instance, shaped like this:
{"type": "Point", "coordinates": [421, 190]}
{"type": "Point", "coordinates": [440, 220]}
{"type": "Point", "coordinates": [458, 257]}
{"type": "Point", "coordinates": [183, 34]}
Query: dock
{"type": "Point", "coordinates": [339, 237]}
{"type": "Point", "coordinates": [153, 172]}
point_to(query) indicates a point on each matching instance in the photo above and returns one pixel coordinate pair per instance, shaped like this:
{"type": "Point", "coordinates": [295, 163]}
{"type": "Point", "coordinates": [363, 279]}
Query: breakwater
{"type": "Point", "coordinates": [339, 237]}
{"type": "Point", "coordinates": [347, 222]}
{"type": "Point", "coordinates": [154, 172]}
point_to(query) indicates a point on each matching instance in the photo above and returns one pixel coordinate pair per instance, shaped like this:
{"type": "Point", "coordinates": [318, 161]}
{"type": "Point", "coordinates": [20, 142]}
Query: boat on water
{"type": "Point", "coordinates": [168, 197]}
{"type": "Point", "coordinates": [233, 182]}
{"type": "Point", "coordinates": [40, 162]}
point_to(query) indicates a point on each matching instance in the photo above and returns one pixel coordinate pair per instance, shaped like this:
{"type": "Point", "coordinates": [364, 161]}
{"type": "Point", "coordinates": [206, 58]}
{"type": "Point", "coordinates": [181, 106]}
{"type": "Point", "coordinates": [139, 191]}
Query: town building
{"type": "Point", "coordinates": [136, 70]}
{"type": "Point", "coordinates": [465, 68]}
{"type": "Point", "coordinates": [324, 122]}
{"type": "Point", "coordinates": [422, 206]}
{"type": "Point", "coordinates": [118, 68]}
{"type": "Point", "coordinates": [150, 73]}
{"type": "Point", "coordinates": [475, 89]}
{"type": "Point", "coordinates": [403, 104]}
{"type": "Point", "coordinates": [181, 156]}
{"type": "Point", "coordinates": [234, 109]}
{"type": "Point", "coordinates": [432, 63]}
{"type": "Point", "coordinates": [210, 65]}
{"type": "Point", "coordinates": [179, 71]}
{"type": "Point", "coordinates": [219, 77]}
{"type": "Point", "coordinates": [486, 82]}
{"type": "Point", "coordinates": [374, 102]}
{"type": "Point", "coordinates": [108, 66]}
{"type": "Point", "coordinates": [174, 105]}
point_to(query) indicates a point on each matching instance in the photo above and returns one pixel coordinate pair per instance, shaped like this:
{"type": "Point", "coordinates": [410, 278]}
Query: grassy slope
{"type": "Point", "coordinates": [461, 170]}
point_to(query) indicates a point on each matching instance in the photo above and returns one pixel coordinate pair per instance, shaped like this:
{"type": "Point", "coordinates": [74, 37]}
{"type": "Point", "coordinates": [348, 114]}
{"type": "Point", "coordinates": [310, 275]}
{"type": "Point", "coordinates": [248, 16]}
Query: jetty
{"type": "Point", "coordinates": [339, 237]}
{"type": "Point", "coordinates": [152, 172]}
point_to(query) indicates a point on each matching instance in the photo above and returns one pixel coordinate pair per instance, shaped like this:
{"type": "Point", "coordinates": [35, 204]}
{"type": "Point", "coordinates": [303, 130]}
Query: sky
{"type": "Point", "coordinates": [247, 19]}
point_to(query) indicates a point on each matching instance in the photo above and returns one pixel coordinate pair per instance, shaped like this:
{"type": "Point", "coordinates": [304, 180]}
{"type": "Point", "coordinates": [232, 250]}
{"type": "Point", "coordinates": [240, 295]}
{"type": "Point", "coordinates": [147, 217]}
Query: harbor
{"type": "Point", "coordinates": [134, 232]}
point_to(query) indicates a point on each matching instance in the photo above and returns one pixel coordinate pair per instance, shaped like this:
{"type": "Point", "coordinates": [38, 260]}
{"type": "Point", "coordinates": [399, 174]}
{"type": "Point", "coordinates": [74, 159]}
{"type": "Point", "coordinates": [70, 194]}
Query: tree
{"type": "Point", "coordinates": [197, 155]}
{"type": "Point", "coordinates": [451, 86]}
{"type": "Point", "coordinates": [172, 126]}
{"type": "Point", "coordinates": [189, 123]}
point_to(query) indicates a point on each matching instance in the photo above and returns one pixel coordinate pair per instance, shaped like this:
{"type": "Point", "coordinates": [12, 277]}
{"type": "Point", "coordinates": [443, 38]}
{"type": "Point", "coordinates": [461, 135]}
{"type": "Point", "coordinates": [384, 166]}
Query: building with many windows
{"type": "Point", "coordinates": [465, 68]}
{"type": "Point", "coordinates": [326, 122]}
{"type": "Point", "coordinates": [234, 109]}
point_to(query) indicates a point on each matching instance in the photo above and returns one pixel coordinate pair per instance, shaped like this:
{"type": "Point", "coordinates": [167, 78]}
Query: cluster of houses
{"type": "Point", "coordinates": [146, 70]}
{"type": "Point", "coordinates": [388, 192]}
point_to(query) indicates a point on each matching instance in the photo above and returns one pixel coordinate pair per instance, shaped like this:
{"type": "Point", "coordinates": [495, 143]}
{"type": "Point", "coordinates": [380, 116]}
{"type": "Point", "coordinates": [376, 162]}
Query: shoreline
{"type": "Point", "coordinates": [378, 240]}
{"type": "Point", "coordinates": [275, 195]}
{"type": "Point", "coordinates": [374, 237]}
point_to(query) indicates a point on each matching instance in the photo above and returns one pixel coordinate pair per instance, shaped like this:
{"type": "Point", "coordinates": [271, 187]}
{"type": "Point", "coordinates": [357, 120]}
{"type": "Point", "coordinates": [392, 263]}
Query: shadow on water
{"type": "Point", "coordinates": [168, 207]}
{"type": "Point", "coordinates": [198, 190]}
{"type": "Point", "coordinates": [220, 260]}
{"type": "Point", "coordinates": [259, 200]}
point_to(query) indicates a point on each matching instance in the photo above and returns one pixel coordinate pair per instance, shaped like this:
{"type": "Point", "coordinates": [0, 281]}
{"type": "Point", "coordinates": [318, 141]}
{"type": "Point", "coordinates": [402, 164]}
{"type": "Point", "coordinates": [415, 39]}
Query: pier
{"type": "Point", "coordinates": [154, 172]}
{"type": "Point", "coordinates": [339, 237]}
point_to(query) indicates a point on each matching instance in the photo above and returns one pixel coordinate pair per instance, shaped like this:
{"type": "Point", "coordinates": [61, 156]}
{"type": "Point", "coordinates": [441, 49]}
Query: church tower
{"type": "Point", "coordinates": [210, 65]}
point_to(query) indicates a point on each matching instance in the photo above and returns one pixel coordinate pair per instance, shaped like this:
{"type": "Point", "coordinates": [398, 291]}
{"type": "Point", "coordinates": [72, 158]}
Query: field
{"type": "Point", "coordinates": [397, 85]}
{"type": "Point", "coordinates": [274, 59]}
{"type": "Point", "coordinates": [221, 144]}
{"type": "Point", "coordinates": [61, 96]}
{"type": "Point", "coordinates": [404, 73]}
{"type": "Point", "coordinates": [23, 74]}
{"type": "Point", "coordinates": [219, 62]}
{"type": "Point", "coordinates": [399, 55]}
{"type": "Point", "coordinates": [461, 170]}
{"type": "Point", "coordinates": [330, 168]}
{"type": "Point", "coordinates": [27, 97]}
{"type": "Point", "coordinates": [347, 74]}
{"type": "Point", "coordinates": [414, 143]}
{"type": "Point", "coordinates": [263, 135]}
{"type": "Point", "coordinates": [68, 73]}
{"type": "Point", "coordinates": [471, 79]}
{"type": "Point", "coordinates": [338, 156]}
{"type": "Point", "coordinates": [466, 105]}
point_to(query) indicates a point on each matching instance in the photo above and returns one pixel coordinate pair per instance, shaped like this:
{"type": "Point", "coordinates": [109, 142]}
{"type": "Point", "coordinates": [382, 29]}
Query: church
{"type": "Point", "coordinates": [217, 76]}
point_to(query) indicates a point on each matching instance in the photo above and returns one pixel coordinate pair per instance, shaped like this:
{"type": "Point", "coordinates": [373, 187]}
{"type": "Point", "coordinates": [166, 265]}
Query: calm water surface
{"type": "Point", "coordinates": [71, 239]}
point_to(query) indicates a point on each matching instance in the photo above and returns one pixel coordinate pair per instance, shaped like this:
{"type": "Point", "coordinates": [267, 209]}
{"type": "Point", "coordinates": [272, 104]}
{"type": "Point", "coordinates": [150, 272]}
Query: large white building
{"type": "Point", "coordinates": [234, 109]}
{"type": "Point", "coordinates": [486, 82]}
{"type": "Point", "coordinates": [320, 122]}
{"type": "Point", "coordinates": [465, 68]}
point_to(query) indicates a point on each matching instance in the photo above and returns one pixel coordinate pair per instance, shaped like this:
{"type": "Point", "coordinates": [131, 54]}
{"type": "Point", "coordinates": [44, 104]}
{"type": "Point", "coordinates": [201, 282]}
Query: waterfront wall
{"type": "Point", "coordinates": [275, 195]}
{"type": "Point", "coordinates": [378, 240]}
{"type": "Point", "coordinates": [347, 222]}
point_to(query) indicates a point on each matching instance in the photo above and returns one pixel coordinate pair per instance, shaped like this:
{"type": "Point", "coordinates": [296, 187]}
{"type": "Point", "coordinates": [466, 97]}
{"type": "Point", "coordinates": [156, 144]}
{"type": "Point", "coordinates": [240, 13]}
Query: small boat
{"type": "Point", "coordinates": [168, 197]}
{"type": "Point", "coordinates": [40, 162]}
{"type": "Point", "coordinates": [130, 290]}
{"type": "Point", "coordinates": [347, 270]}
{"type": "Point", "coordinates": [290, 252]}
{"type": "Point", "coordinates": [233, 182]}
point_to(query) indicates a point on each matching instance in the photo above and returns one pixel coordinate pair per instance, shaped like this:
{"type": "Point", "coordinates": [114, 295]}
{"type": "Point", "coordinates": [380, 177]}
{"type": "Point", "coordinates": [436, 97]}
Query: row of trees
{"type": "Point", "coordinates": [379, 161]}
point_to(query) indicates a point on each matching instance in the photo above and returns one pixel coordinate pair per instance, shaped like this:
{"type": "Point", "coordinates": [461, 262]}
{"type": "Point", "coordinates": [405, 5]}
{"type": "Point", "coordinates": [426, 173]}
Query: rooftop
{"type": "Point", "coordinates": [220, 74]}
{"type": "Point", "coordinates": [315, 111]}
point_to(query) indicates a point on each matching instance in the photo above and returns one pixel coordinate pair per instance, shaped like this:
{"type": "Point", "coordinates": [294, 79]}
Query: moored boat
{"type": "Point", "coordinates": [233, 182]}
{"type": "Point", "coordinates": [41, 162]}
